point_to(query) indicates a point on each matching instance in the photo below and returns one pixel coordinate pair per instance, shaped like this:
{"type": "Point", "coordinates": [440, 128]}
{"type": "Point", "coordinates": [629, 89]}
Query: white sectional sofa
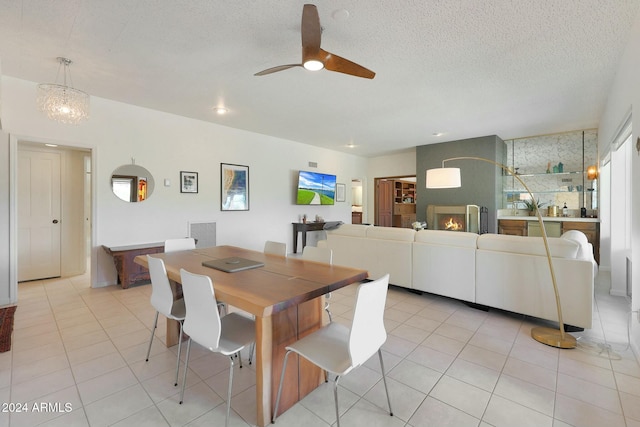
{"type": "Point", "coordinates": [494, 270]}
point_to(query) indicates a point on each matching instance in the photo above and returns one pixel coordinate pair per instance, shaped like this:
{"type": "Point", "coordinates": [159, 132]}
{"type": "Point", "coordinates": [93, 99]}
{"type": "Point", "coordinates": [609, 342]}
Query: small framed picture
{"type": "Point", "coordinates": [234, 191]}
{"type": "Point", "coordinates": [340, 192]}
{"type": "Point", "coordinates": [188, 182]}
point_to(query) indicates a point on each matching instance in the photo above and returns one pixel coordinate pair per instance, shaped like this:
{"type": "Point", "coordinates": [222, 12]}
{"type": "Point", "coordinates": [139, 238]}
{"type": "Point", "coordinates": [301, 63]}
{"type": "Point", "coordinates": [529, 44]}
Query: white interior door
{"type": "Point", "coordinates": [38, 215]}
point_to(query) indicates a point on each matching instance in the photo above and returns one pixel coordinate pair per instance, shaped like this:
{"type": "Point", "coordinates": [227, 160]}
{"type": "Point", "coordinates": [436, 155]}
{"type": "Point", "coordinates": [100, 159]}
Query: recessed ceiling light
{"type": "Point", "coordinates": [438, 133]}
{"type": "Point", "coordinates": [351, 145]}
{"type": "Point", "coordinates": [51, 145]}
{"type": "Point", "coordinates": [340, 14]}
{"type": "Point", "coordinates": [220, 110]}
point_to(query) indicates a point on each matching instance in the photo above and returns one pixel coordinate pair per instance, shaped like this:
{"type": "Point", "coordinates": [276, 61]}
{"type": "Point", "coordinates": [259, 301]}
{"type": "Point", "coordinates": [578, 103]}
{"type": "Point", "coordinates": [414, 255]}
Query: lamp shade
{"type": "Point", "coordinates": [443, 178]}
{"type": "Point", "coordinates": [592, 172]}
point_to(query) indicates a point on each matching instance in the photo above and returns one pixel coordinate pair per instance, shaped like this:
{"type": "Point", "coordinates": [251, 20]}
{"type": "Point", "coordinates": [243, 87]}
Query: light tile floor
{"type": "Point", "coordinates": [80, 352]}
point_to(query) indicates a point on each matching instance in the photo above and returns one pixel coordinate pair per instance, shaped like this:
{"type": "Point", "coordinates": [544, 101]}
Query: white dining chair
{"type": "Point", "coordinates": [324, 255]}
{"type": "Point", "coordinates": [226, 335]}
{"type": "Point", "coordinates": [338, 349]}
{"type": "Point", "coordinates": [275, 248]}
{"type": "Point", "coordinates": [314, 253]}
{"type": "Point", "coordinates": [186, 244]}
{"type": "Point", "coordinates": [181, 244]}
{"type": "Point", "coordinates": [162, 300]}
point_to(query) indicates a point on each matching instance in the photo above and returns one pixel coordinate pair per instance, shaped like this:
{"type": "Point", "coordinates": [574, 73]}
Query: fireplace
{"type": "Point", "coordinates": [454, 218]}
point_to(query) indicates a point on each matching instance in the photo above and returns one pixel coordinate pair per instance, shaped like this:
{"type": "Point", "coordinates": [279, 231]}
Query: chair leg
{"type": "Point", "coordinates": [186, 368]}
{"type": "Point", "coordinates": [153, 331]}
{"type": "Point", "coordinates": [384, 379]}
{"type": "Point", "coordinates": [335, 397]}
{"type": "Point", "coordinates": [226, 421]}
{"type": "Point", "coordinates": [326, 306]}
{"type": "Point", "coordinates": [222, 309]}
{"type": "Point", "coordinates": [284, 368]}
{"type": "Point", "coordinates": [252, 348]}
{"type": "Point", "coordinates": [179, 349]}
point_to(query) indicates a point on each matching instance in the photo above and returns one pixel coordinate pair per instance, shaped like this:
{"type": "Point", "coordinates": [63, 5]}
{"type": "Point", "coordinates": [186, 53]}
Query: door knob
{"type": "Point", "coordinates": [55, 221]}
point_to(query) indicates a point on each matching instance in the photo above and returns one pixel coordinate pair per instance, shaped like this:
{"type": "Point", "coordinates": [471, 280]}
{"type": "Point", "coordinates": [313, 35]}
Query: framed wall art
{"type": "Point", "coordinates": [234, 191]}
{"type": "Point", "coordinates": [340, 192]}
{"type": "Point", "coordinates": [188, 182]}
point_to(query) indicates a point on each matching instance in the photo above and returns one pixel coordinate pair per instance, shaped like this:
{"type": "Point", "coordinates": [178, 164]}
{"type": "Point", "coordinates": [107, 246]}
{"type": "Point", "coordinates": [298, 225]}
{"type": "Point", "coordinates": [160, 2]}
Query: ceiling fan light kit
{"type": "Point", "coordinates": [313, 65]}
{"type": "Point", "coordinates": [313, 57]}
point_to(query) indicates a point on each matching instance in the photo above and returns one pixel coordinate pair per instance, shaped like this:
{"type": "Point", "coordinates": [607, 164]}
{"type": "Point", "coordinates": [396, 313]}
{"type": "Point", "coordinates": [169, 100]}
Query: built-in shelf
{"type": "Point", "coordinates": [524, 175]}
{"type": "Point", "coordinates": [570, 152]}
{"type": "Point", "coordinates": [404, 192]}
{"type": "Point", "coordinates": [404, 198]}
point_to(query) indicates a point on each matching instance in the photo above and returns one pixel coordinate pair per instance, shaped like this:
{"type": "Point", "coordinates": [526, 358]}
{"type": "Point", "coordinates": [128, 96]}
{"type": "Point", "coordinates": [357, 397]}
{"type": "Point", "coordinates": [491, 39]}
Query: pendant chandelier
{"type": "Point", "coordinates": [63, 103]}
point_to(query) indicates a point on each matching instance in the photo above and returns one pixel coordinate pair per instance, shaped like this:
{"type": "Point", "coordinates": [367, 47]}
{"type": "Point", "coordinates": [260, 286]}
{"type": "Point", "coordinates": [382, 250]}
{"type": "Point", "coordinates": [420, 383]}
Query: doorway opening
{"type": "Point", "coordinates": [54, 210]}
{"type": "Point", "coordinates": [357, 201]}
{"type": "Point", "coordinates": [395, 201]}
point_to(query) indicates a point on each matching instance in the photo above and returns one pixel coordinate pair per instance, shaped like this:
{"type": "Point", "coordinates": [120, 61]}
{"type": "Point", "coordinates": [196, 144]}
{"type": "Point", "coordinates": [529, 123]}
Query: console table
{"type": "Point", "coordinates": [128, 271]}
{"type": "Point", "coordinates": [303, 227]}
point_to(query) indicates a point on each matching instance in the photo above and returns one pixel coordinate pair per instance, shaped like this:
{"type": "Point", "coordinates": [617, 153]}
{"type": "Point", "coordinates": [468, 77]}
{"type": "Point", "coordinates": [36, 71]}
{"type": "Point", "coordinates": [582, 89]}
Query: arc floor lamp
{"type": "Point", "coordinates": [450, 178]}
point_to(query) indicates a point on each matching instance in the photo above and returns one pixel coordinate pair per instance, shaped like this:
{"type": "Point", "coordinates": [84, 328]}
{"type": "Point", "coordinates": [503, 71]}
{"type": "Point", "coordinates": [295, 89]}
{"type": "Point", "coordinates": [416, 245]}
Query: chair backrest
{"type": "Point", "coordinates": [161, 293]}
{"type": "Point", "coordinates": [275, 248]}
{"type": "Point", "coordinates": [313, 253]}
{"type": "Point", "coordinates": [367, 329]}
{"type": "Point", "coordinates": [183, 244]}
{"type": "Point", "coordinates": [202, 320]}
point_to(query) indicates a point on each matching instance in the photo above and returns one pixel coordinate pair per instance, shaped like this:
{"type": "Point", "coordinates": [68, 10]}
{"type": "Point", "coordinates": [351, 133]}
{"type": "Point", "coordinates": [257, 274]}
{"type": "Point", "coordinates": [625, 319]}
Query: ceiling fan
{"type": "Point", "coordinates": [313, 56]}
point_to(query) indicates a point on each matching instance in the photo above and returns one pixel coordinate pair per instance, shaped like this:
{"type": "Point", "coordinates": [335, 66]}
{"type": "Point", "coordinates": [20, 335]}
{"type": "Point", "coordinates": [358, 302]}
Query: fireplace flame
{"type": "Point", "coordinates": [453, 225]}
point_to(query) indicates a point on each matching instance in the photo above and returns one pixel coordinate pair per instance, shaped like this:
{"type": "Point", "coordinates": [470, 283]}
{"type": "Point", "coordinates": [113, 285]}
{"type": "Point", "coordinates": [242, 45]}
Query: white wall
{"type": "Point", "coordinates": [604, 212]}
{"type": "Point", "coordinates": [619, 224]}
{"type": "Point", "coordinates": [623, 97]}
{"type": "Point", "coordinates": [6, 295]}
{"type": "Point", "coordinates": [166, 144]}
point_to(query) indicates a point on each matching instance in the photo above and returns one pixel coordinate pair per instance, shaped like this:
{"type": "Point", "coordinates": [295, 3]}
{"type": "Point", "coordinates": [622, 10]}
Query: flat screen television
{"type": "Point", "coordinates": [316, 188]}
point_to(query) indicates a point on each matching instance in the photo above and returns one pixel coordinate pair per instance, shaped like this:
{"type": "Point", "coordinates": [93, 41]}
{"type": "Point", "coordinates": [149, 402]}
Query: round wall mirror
{"type": "Point", "coordinates": [132, 183]}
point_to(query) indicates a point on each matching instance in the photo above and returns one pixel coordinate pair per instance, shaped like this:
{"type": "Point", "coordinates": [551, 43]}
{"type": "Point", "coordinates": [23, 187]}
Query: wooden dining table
{"type": "Point", "coordinates": [286, 298]}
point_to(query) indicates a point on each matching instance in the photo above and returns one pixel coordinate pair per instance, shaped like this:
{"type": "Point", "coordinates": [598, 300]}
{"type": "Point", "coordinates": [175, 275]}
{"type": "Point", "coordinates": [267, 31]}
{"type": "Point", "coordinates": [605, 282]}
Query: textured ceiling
{"type": "Point", "coordinates": [466, 68]}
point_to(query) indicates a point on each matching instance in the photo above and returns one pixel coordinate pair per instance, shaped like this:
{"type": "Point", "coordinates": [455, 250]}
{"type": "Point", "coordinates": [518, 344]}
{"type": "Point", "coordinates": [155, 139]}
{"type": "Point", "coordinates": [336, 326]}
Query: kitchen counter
{"type": "Point", "coordinates": [526, 225]}
{"type": "Point", "coordinates": [548, 218]}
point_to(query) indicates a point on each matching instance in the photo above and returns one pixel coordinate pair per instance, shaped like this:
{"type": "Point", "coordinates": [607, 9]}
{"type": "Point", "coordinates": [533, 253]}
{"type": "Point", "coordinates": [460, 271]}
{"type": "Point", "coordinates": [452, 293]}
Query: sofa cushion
{"type": "Point", "coordinates": [444, 263]}
{"type": "Point", "coordinates": [450, 238]}
{"type": "Point", "coordinates": [391, 233]}
{"type": "Point", "coordinates": [560, 248]}
{"type": "Point", "coordinates": [387, 252]}
{"type": "Point", "coordinates": [355, 230]}
{"type": "Point", "coordinates": [585, 250]}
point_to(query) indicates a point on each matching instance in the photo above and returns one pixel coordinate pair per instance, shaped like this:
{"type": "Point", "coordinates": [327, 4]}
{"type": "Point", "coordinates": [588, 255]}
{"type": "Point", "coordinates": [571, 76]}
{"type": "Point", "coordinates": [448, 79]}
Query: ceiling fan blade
{"type": "Point", "coordinates": [276, 69]}
{"type": "Point", "coordinates": [310, 30]}
{"type": "Point", "coordinates": [336, 63]}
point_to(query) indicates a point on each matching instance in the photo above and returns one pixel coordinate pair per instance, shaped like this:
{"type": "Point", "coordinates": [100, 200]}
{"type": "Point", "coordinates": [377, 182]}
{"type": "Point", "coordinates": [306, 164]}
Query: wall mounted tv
{"type": "Point", "coordinates": [316, 188]}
